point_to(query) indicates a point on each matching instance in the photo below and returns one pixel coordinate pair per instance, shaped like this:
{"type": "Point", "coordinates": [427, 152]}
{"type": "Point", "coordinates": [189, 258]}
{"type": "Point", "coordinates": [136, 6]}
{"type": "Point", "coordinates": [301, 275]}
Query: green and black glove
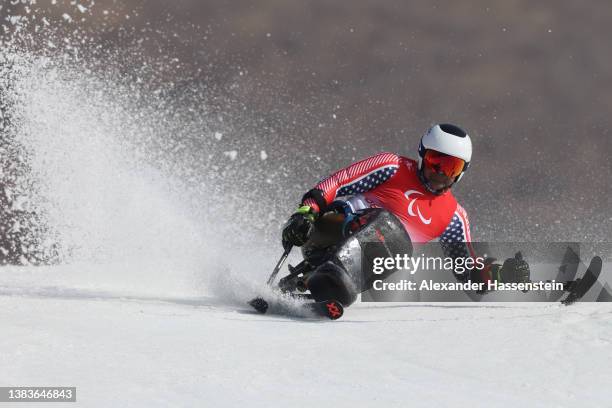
{"type": "Point", "coordinates": [298, 227]}
{"type": "Point", "coordinates": [513, 270]}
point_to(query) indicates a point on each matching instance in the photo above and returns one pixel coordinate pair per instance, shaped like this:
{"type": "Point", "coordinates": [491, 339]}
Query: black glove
{"type": "Point", "coordinates": [515, 270]}
{"type": "Point", "coordinates": [298, 227]}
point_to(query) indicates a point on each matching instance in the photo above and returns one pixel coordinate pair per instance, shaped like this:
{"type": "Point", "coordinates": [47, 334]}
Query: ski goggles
{"type": "Point", "coordinates": [443, 163]}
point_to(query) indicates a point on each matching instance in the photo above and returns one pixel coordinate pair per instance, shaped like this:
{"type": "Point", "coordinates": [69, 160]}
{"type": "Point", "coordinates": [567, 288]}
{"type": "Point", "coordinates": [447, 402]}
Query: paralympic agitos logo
{"type": "Point", "coordinates": [411, 206]}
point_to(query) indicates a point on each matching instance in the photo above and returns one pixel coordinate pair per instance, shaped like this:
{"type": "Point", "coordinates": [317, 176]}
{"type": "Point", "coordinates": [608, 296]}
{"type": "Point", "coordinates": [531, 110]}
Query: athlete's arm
{"type": "Point", "coordinates": [359, 177]}
{"type": "Point", "coordinates": [456, 242]}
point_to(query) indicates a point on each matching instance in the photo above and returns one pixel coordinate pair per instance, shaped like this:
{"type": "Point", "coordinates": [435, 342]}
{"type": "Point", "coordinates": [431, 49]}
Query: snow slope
{"type": "Point", "coordinates": [127, 347]}
{"type": "Point", "coordinates": [150, 307]}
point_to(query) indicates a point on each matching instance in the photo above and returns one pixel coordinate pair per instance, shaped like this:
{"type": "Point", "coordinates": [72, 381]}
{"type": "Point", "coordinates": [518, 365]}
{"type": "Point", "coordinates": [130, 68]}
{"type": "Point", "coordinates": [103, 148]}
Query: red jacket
{"type": "Point", "coordinates": [389, 181]}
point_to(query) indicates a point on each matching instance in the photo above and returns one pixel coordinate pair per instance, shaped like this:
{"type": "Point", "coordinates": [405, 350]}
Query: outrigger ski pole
{"type": "Point", "coordinates": [259, 303]}
{"type": "Point", "coordinates": [279, 264]}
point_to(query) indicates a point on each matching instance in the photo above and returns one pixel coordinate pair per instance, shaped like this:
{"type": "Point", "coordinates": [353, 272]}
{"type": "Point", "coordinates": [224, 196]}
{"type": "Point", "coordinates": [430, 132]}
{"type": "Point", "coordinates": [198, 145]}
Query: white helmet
{"type": "Point", "coordinates": [448, 139]}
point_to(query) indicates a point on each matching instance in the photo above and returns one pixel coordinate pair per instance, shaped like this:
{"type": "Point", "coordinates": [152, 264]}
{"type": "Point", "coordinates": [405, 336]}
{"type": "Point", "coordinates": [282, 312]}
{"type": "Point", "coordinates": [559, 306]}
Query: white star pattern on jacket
{"type": "Point", "coordinates": [453, 239]}
{"type": "Point", "coordinates": [368, 182]}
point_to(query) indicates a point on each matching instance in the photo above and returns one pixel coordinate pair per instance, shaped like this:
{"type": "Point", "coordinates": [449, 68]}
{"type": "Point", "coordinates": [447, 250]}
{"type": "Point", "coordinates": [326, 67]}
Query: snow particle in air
{"type": "Point", "coordinates": [232, 154]}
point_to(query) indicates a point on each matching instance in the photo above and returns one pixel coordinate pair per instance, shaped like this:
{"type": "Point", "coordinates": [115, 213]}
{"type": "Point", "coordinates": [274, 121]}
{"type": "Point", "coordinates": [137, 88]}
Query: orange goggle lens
{"type": "Point", "coordinates": [443, 163]}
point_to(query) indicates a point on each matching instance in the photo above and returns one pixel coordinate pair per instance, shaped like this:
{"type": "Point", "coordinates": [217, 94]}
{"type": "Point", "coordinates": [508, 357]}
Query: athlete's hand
{"type": "Point", "coordinates": [298, 227]}
{"type": "Point", "coordinates": [515, 270]}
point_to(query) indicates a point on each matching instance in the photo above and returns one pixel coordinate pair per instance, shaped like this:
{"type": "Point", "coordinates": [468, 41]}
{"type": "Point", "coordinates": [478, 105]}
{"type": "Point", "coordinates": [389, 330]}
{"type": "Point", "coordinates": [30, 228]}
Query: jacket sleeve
{"type": "Point", "coordinates": [456, 242]}
{"type": "Point", "coordinates": [359, 177]}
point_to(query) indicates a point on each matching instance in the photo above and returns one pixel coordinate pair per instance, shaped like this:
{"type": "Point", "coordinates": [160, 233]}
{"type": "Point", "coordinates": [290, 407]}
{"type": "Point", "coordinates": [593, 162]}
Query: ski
{"type": "Point", "coordinates": [332, 309]}
{"type": "Point", "coordinates": [578, 288]}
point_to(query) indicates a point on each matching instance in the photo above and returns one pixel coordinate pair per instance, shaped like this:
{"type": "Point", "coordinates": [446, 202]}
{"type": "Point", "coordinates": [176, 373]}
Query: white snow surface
{"type": "Point", "coordinates": [138, 345]}
{"type": "Point", "coordinates": [149, 308]}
